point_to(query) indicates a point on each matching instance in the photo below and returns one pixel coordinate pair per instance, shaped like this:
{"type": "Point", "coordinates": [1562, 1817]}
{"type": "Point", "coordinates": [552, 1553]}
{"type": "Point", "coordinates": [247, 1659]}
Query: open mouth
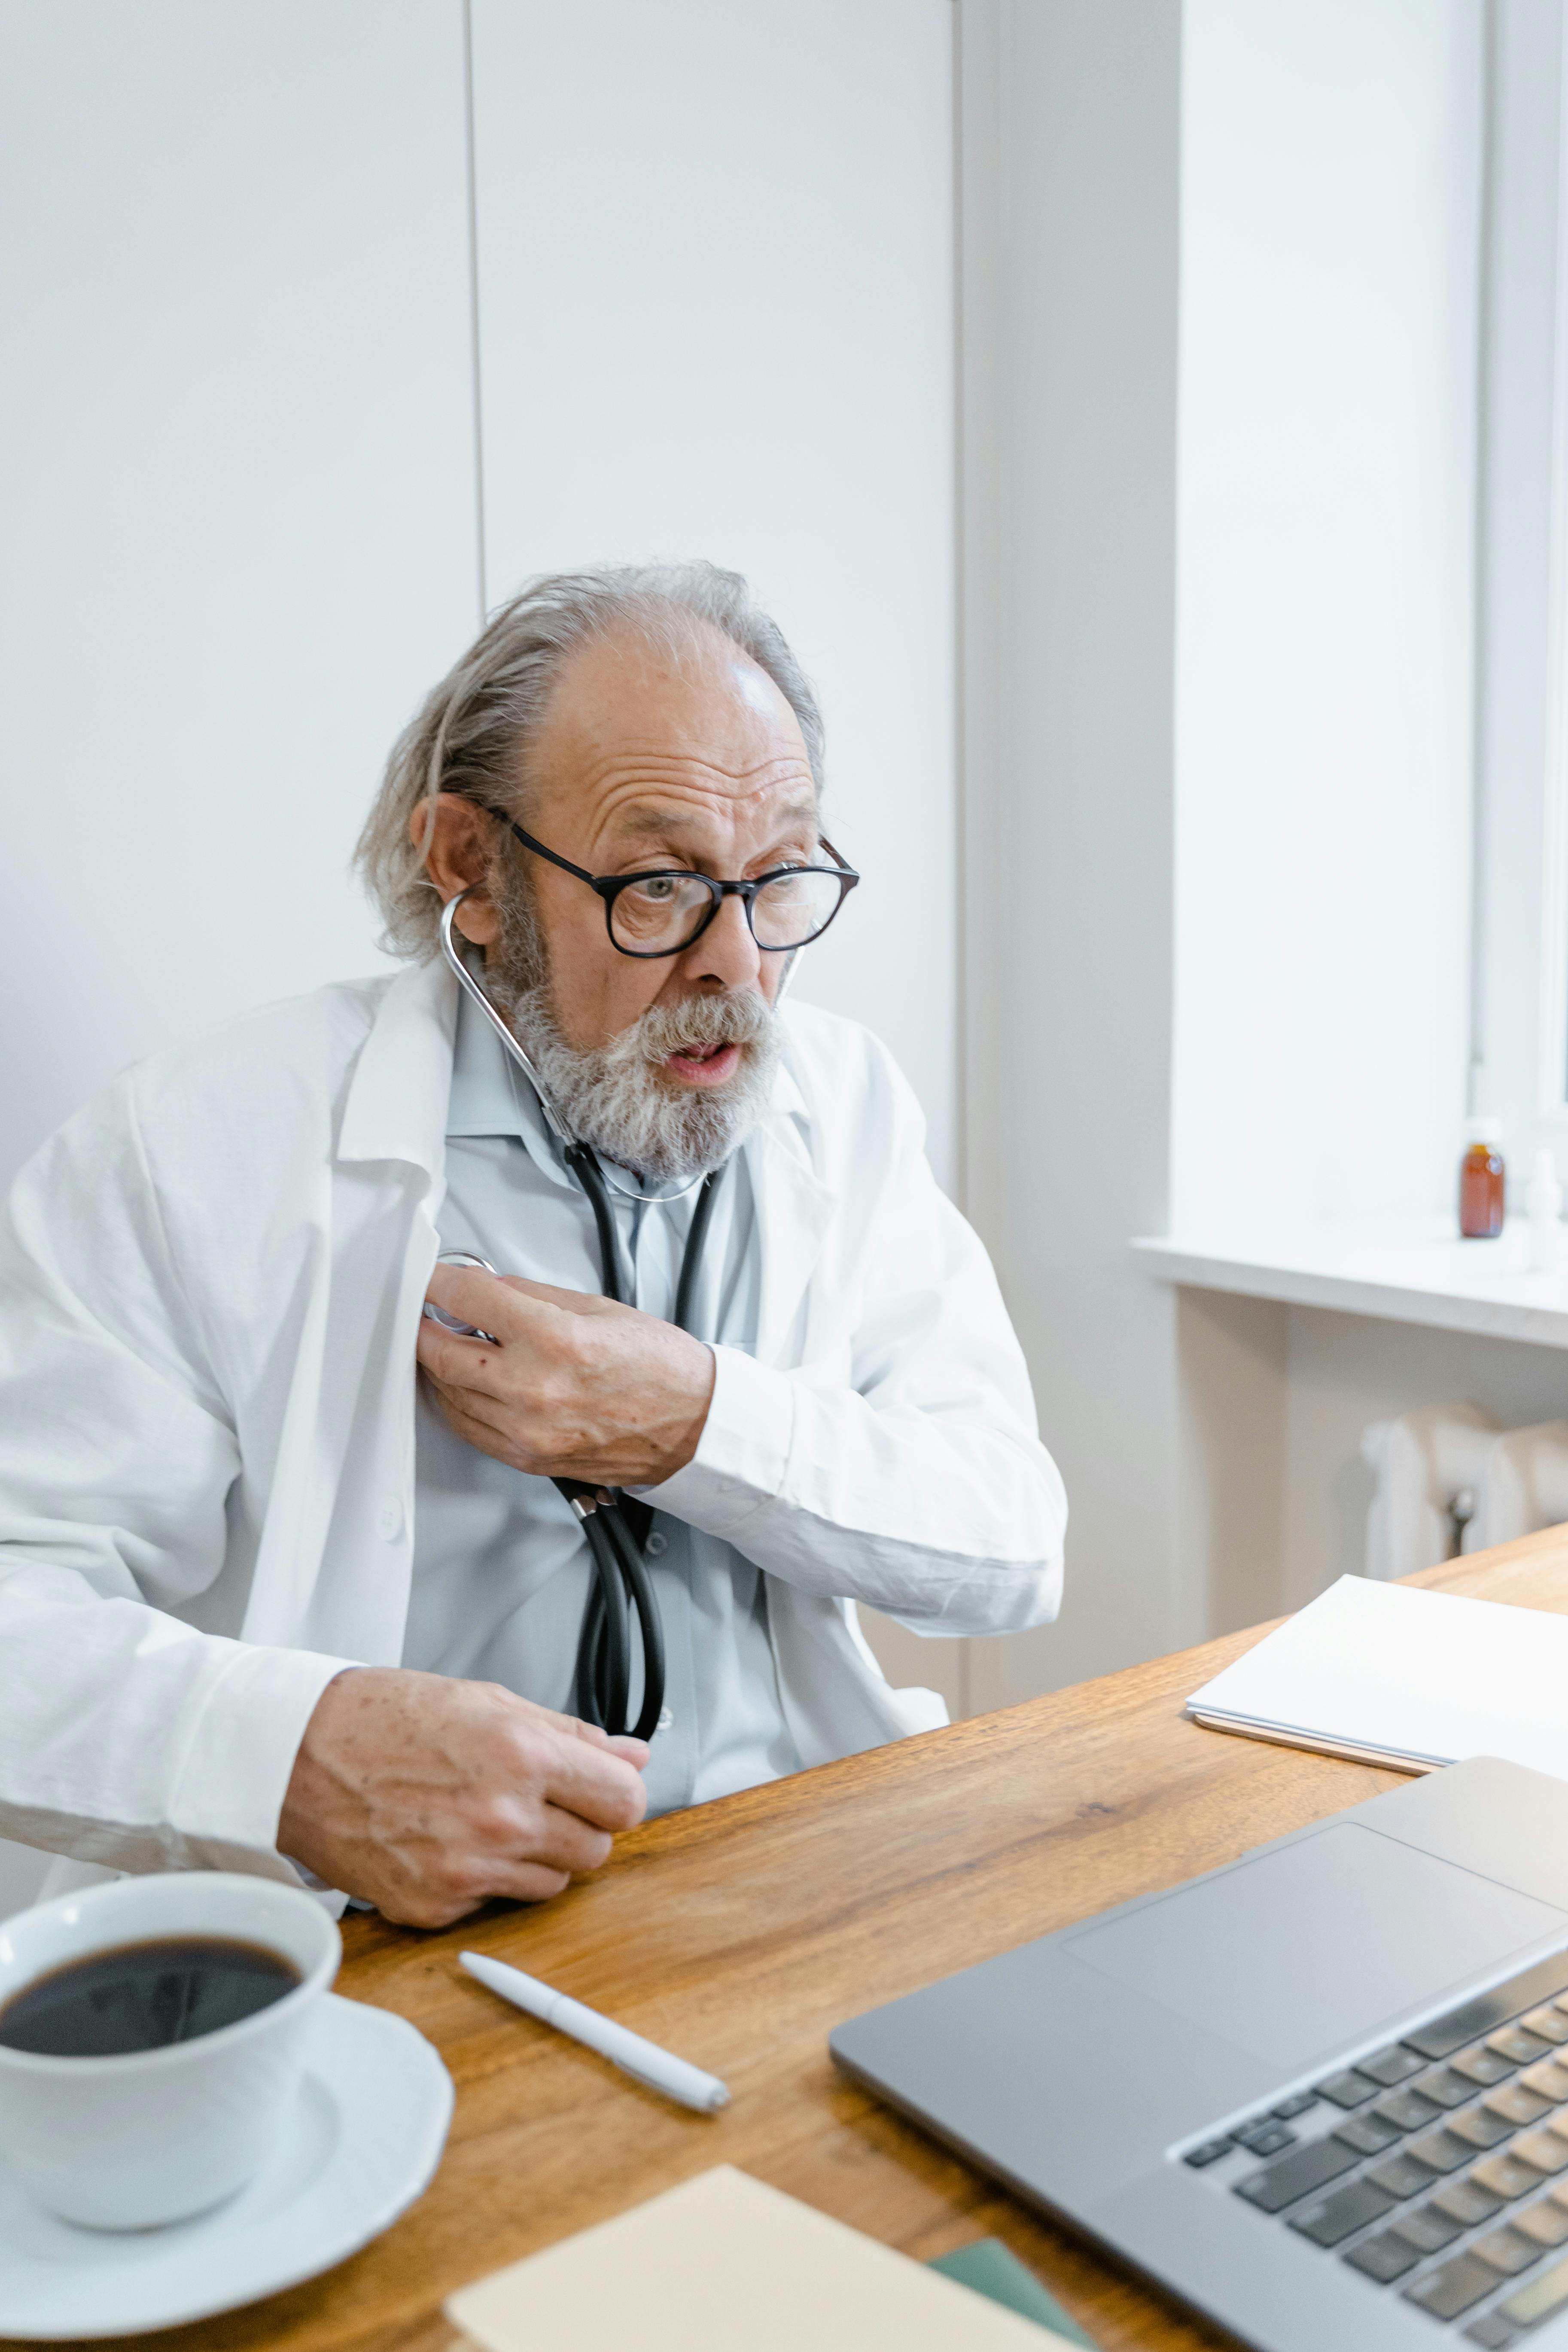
{"type": "Point", "coordinates": [703, 1065]}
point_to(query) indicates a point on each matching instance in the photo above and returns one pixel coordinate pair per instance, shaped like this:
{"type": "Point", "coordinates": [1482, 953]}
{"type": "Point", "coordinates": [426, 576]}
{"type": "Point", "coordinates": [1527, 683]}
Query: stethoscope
{"type": "Point", "coordinates": [615, 1524]}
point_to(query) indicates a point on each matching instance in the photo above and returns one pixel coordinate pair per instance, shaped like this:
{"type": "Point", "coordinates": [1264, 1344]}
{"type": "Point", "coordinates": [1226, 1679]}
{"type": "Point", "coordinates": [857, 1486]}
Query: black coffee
{"type": "Point", "coordinates": [144, 1996]}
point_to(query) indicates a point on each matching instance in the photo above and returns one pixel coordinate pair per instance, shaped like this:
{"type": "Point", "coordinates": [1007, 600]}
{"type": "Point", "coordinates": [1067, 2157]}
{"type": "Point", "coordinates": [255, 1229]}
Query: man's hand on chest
{"type": "Point", "coordinates": [567, 1386]}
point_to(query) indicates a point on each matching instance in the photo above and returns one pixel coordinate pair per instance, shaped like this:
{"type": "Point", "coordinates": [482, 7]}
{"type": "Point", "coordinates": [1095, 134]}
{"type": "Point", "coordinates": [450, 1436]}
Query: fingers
{"type": "Point", "coordinates": [600, 1787]}
{"type": "Point", "coordinates": [633, 1752]}
{"type": "Point", "coordinates": [530, 1882]}
{"type": "Point", "coordinates": [512, 1309]}
{"type": "Point", "coordinates": [420, 1905]}
{"type": "Point", "coordinates": [565, 1841]}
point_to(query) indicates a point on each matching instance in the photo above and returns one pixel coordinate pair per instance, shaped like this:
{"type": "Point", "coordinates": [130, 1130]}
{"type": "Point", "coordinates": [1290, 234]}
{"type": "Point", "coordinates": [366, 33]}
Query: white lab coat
{"type": "Point", "coordinates": [210, 1288]}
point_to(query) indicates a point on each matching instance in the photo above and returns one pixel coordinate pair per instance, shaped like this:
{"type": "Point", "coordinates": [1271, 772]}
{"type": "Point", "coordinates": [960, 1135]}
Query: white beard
{"type": "Point", "coordinates": [618, 1098]}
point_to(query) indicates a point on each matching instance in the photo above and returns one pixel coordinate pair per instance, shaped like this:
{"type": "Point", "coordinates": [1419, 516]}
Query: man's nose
{"type": "Point", "coordinates": [726, 953]}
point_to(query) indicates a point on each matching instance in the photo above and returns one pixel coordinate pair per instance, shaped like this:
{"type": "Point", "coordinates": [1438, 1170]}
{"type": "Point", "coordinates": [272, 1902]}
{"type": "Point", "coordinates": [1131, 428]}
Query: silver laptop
{"type": "Point", "coordinates": [1321, 2096]}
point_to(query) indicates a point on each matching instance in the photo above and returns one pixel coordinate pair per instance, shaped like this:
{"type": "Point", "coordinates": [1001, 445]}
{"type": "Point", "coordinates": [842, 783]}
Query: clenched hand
{"type": "Point", "coordinates": [427, 1795]}
{"type": "Point", "coordinates": [570, 1386]}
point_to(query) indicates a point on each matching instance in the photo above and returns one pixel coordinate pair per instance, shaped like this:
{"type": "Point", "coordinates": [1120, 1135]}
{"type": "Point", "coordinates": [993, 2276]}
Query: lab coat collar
{"type": "Point", "coordinates": [793, 1207]}
{"type": "Point", "coordinates": [396, 1103]}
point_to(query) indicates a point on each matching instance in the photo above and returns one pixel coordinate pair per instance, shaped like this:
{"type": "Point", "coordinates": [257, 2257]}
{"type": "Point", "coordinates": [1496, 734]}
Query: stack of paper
{"type": "Point", "coordinates": [1389, 1674]}
{"type": "Point", "coordinates": [724, 2261]}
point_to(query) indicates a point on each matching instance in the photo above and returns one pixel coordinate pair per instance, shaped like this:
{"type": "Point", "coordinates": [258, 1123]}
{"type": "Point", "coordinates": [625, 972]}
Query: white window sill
{"type": "Point", "coordinates": [1419, 1273]}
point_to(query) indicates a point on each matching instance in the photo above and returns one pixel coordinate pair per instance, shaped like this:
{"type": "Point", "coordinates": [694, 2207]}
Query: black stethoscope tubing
{"type": "Point", "coordinates": [621, 1586]}
{"type": "Point", "coordinates": [603, 1688]}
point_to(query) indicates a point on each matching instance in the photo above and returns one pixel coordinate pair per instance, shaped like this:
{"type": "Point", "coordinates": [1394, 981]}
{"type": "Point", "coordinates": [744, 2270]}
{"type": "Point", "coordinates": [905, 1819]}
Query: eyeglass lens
{"type": "Point", "coordinates": [668, 910]}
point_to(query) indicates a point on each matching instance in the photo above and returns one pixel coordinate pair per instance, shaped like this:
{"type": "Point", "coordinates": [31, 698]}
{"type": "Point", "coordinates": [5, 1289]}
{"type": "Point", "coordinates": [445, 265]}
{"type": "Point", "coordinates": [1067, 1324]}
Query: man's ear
{"type": "Point", "coordinates": [457, 839]}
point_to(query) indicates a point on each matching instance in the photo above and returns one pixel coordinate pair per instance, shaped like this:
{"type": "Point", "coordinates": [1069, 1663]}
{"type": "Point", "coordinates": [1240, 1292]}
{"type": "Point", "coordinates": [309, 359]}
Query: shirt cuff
{"type": "Point", "coordinates": [230, 1783]}
{"type": "Point", "coordinates": [743, 1452]}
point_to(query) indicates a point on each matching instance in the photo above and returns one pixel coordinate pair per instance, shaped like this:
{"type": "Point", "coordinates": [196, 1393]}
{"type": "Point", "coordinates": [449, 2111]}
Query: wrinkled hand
{"type": "Point", "coordinates": [427, 1796]}
{"type": "Point", "coordinates": [570, 1386]}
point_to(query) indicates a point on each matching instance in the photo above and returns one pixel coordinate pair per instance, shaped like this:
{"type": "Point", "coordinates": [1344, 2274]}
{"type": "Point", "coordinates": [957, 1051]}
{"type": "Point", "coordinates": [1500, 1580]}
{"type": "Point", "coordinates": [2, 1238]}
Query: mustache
{"type": "Point", "coordinates": [744, 1018]}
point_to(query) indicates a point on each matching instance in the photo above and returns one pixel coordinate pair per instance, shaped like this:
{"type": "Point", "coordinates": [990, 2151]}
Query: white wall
{"type": "Point", "coordinates": [715, 248]}
{"type": "Point", "coordinates": [1331, 209]}
{"type": "Point", "coordinates": [1276, 530]}
{"type": "Point", "coordinates": [1518, 761]}
{"type": "Point", "coordinates": [1332, 193]}
{"type": "Point", "coordinates": [1070, 119]}
{"type": "Point", "coordinates": [235, 471]}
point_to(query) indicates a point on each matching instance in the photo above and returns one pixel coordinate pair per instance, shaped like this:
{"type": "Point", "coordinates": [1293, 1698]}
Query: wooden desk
{"type": "Point", "coordinates": [740, 1933]}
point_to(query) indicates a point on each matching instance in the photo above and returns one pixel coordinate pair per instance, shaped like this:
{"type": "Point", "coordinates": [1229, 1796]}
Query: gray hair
{"type": "Point", "coordinates": [474, 730]}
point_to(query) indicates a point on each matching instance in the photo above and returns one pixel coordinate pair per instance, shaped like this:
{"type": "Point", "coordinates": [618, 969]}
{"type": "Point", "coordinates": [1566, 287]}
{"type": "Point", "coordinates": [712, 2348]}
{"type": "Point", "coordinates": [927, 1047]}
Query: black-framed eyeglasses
{"type": "Point", "coordinates": [660, 914]}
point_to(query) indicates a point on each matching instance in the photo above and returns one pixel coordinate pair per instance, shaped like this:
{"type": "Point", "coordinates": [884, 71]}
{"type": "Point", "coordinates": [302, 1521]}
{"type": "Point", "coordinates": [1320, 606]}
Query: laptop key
{"type": "Point", "coordinates": [1445, 2293]}
{"type": "Point", "coordinates": [1442, 2151]}
{"type": "Point", "coordinates": [1295, 2176]}
{"type": "Point", "coordinates": [1366, 2134]}
{"type": "Point", "coordinates": [1266, 2139]}
{"type": "Point", "coordinates": [1444, 2089]}
{"type": "Point", "coordinates": [1549, 2022]}
{"type": "Point", "coordinates": [1518, 2103]}
{"type": "Point", "coordinates": [1401, 2175]}
{"type": "Point", "coordinates": [1546, 2224]}
{"type": "Point", "coordinates": [1383, 2258]}
{"type": "Point", "coordinates": [1549, 2079]}
{"type": "Point", "coordinates": [1547, 2151]}
{"type": "Point", "coordinates": [1427, 2230]}
{"type": "Point", "coordinates": [1539, 2300]}
{"type": "Point", "coordinates": [1210, 2152]}
{"type": "Point", "coordinates": [1408, 2110]}
{"type": "Point", "coordinates": [1491, 2332]}
{"type": "Point", "coordinates": [1392, 2065]}
{"type": "Point", "coordinates": [1507, 2175]}
{"type": "Point", "coordinates": [1468, 2201]}
{"type": "Point", "coordinates": [1507, 2252]}
{"type": "Point", "coordinates": [1483, 2066]}
{"type": "Point", "coordinates": [1339, 2216]}
{"type": "Point", "coordinates": [1299, 2101]}
{"type": "Point", "coordinates": [1481, 2129]}
{"type": "Point", "coordinates": [1513, 2041]}
{"type": "Point", "coordinates": [1347, 2090]}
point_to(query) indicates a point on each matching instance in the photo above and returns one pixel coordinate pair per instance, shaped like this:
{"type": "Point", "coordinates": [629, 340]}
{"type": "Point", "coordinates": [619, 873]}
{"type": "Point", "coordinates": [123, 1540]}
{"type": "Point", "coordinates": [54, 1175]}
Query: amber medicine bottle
{"type": "Point", "coordinates": [1481, 1182]}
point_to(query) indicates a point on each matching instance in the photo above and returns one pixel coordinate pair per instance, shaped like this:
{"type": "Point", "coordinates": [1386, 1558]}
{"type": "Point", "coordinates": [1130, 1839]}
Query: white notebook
{"type": "Point", "coordinates": [725, 2261]}
{"type": "Point", "coordinates": [1393, 1674]}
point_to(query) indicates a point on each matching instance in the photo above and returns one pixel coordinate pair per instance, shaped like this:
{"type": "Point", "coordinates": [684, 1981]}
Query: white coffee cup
{"type": "Point", "coordinates": [154, 2136]}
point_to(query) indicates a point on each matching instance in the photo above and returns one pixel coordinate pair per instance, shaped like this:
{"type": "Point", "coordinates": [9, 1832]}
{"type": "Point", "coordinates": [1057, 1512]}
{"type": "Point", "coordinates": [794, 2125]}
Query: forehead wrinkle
{"type": "Point", "coordinates": [660, 820]}
{"type": "Point", "coordinates": [633, 762]}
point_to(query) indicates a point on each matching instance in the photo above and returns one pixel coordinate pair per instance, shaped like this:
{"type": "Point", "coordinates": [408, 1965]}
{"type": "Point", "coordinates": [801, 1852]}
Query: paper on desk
{"type": "Point", "coordinates": [725, 2260]}
{"type": "Point", "coordinates": [1418, 1678]}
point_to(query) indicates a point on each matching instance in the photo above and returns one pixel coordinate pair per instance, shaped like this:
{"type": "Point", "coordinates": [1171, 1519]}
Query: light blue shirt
{"type": "Point", "coordinates": [501, 1567]}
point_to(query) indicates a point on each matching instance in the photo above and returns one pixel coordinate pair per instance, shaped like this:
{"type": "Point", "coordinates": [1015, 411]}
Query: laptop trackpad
{"type": "Point", "coordinates": [1295, 1954]}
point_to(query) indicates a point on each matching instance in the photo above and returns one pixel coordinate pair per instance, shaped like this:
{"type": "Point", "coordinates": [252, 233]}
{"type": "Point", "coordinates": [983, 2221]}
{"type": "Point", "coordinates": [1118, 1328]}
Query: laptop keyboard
{"type": "Point", "coordinates": [1436, 2168]}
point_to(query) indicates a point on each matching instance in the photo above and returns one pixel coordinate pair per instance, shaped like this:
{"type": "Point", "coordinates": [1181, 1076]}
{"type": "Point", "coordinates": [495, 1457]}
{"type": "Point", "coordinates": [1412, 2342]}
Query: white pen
{"type": "Point", "coordinates": [644, 2061]}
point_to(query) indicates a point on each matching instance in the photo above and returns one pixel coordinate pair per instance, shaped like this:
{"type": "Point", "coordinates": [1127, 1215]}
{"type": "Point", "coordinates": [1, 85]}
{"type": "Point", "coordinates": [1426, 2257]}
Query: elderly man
{"type": "Point", "coordinates": [270, 1600]}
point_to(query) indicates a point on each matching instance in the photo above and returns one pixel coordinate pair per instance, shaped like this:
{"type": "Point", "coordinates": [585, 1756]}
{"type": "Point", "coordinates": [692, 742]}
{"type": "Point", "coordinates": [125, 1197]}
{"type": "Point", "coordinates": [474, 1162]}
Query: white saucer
{"type": "Point", "coordinates": [365, 2138]}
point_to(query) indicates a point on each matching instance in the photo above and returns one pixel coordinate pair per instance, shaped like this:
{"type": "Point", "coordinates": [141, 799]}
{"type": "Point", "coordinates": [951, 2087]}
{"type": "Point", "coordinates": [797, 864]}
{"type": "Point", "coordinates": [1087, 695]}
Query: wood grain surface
{"type": "Point", "coordinates": [740, 1933]}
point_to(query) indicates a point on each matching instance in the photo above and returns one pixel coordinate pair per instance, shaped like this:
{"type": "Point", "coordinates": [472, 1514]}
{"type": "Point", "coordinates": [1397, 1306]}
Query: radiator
{"type": "Point", "coordinates": [1450, 1480]}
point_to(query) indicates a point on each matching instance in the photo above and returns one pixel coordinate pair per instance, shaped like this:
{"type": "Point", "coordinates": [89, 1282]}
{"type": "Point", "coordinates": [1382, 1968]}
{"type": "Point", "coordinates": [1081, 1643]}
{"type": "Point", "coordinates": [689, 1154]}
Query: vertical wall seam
{"type": "Point", "coordinates": [963, 1117]}
{"type": "Point", "coordinates": [961, 856]}
{"type": "Point", "coordinates": [472, 167]}
{"type": "Point", "coordinates": [1480, 615]}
